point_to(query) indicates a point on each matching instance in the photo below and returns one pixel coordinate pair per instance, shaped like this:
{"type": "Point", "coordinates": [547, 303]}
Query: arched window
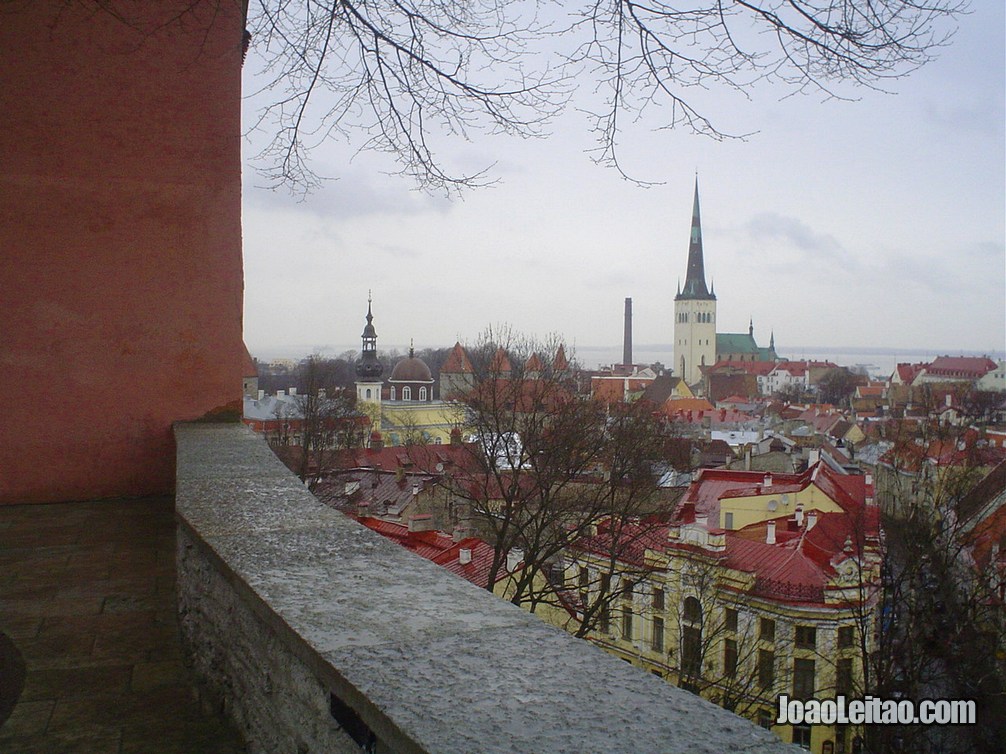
{"type": "Point", "coordinates": [693, 610]}
{"type": "Point", "coordinates": [406, 394]}
{"type": "Point", "coordinates": [368, 392]}
{"type": "Point", "coordinates": [422, 393]}
{"type": "Point", "coordinates": [392, 392]}
{"type": "Point", "coordinates": [691, 644]}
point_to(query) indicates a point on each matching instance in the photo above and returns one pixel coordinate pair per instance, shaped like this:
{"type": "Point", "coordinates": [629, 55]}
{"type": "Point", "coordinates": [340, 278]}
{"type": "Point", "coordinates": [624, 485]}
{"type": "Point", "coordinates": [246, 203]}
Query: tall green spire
{"type": "Point", "coordinates": [695, 278]}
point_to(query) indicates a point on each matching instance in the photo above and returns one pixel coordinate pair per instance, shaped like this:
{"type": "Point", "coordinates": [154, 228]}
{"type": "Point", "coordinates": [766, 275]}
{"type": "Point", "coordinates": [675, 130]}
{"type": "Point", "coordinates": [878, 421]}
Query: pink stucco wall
{"type": "Point", "coordinates": [120, 242]}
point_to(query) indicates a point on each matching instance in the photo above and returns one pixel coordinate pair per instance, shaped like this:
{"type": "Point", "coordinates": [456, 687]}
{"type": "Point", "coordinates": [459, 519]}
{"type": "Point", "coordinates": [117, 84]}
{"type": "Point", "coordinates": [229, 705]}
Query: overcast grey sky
{"type": "Point", "coordinates": [878, 222]}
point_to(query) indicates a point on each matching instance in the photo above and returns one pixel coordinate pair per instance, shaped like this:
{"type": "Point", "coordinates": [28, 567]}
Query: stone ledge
{"type": "Point", "coordinates": [285, 601]}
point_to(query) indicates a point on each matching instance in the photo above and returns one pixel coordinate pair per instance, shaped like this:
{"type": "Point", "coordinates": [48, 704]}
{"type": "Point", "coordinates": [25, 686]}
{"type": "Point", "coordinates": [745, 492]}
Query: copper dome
{"type": "Point", "coordinates": [411, 369]}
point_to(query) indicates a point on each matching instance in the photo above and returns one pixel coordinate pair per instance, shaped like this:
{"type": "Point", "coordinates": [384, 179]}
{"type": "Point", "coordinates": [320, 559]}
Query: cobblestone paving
{"type": "Point", "coordinates": [87, 594]}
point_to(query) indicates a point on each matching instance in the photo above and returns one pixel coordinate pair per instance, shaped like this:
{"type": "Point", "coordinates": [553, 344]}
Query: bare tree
{"type": "Point", "coordinates": [933, 628]}
{"type": "Point", "coordinates": [399, 77]}
{"type": "Point", "coordinates": [720, 655]}
{"type": "Point", "coordinates": [319, 421]}
{"type": "Point", "coordinates": [400, 74]}
{"type": "Point", "coordinates": [552, 467]}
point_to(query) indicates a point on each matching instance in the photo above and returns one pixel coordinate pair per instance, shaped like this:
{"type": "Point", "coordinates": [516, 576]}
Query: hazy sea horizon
{"type": "Point", "coordinates": [878, 361]}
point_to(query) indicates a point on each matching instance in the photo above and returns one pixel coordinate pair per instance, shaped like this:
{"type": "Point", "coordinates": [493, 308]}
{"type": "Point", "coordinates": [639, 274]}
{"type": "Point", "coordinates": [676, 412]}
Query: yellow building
{"type": "Point", "coordinates": [404, 410]}
{"type": "Point", "coordinates": [781, 602]}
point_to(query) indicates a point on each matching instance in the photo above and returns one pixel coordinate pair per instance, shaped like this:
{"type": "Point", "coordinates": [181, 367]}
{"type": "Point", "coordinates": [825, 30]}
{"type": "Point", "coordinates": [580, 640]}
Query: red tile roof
{"type": "Point", "coordinates": [559, 363]}
{"type": "Point", "coordinates": [749, 367]}
{"type": "Point", "coordinates": [961, 366]}
{"type": "Point", "coordinates": [424, 458]}
{"type": "Point", "coordinates": [457, 361]}
{"type": "Point", "coordinates": [908, 372]}
{"type": "Point", "coordinates": [441, 549]}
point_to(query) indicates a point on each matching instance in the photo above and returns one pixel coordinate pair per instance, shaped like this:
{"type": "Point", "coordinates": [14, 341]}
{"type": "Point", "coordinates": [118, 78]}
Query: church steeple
{"type": "Point", "coordinates": [368, 368]}
{"type": "Point", "coordinates": [695, 278]}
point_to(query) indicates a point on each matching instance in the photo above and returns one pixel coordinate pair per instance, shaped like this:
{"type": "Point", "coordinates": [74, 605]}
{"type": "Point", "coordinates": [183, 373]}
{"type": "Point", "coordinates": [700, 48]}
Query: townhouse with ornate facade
{"type": "Point", "coordinates": [758, 585]}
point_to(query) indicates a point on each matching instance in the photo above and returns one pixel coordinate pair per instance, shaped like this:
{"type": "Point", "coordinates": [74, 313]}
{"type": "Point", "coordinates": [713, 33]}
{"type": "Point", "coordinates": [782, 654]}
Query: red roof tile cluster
{"type": "Point", "coordinates": [425, 458]}
{"type": "Point", "coordinates": [798, 566]}
{"type": "Point", "coordinates": [715, 416]}
{"type": "Point", "coordinates": [757, 368]}
{"type": "Point", "coordinates": [457, 361]}
{"type": "Point", "coordinates": [970, 367]}
{"type": "Point", "coordinates": [440, 548]}
{"type": "Point", "coordinates": [908, 372]}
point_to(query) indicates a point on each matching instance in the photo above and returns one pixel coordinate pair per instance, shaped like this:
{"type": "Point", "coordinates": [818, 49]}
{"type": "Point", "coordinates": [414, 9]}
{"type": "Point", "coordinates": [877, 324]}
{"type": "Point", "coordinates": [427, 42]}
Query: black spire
{"type": "Point", "coordinates": [695, 279]}
{"type": "Point", "coordinates": [368, 368]}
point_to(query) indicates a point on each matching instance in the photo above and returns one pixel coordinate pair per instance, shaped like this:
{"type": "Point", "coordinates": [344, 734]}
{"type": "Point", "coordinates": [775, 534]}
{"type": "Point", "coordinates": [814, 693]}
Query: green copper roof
{"type": "Point", "coordinates": [736, 342]}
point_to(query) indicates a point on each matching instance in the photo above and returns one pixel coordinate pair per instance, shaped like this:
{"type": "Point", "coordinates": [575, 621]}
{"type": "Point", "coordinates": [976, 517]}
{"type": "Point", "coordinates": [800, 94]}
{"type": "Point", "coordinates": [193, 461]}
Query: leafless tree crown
{"type": "Point", "coordinates": [402, 73]}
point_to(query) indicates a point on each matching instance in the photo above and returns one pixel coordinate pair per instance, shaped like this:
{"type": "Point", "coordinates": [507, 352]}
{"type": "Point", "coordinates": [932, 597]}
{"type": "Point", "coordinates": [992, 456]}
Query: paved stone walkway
{"type": "Point", "coordinates": [87, 594]}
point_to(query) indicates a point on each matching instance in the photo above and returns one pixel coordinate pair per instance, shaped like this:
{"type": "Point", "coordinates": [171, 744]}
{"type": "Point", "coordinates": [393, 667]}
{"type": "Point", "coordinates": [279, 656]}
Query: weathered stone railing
{"type": "Point", "coordinates": [316, 635]}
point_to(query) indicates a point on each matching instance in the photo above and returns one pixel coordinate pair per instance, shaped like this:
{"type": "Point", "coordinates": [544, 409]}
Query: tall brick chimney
{"type": "Point", "coordinates": [627, 338]}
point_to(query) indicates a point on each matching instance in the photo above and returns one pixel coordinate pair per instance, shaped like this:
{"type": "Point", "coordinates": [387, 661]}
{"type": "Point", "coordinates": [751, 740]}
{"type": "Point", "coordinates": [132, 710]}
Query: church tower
{"type": "Point", "coordinates": [368, 373]}
{"type": "Point", "coordinates": [694, 310]}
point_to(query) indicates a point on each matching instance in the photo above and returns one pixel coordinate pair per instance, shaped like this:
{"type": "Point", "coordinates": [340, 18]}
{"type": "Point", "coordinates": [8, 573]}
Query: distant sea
{"type": "Point", "coordinates": [879, 362]}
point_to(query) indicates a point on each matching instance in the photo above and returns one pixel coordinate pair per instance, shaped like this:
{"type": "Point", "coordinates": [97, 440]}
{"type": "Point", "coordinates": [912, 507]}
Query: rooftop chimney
{"type": "Point", "coordinates": [513, 559]}
{"type": "Point", "coordinates": [767, 481]}
{"type": "Point", "coordinates": [465, 555]}
{"type": "Point", "coordinates": [811, 520]}
{"type": "Point", "coordinates": [293, 391]}
{"type": "Point", "coordinates": [421, 522]}
{"type": "Point", "coordinates": [702, 520]}
{"type": "Point", "coordinates": [261, 394]}
{"type": "Point", "coordinates": [627, 338]}
{"type": "Point", "coordinates": [799, 515]}
{"type": "Point", "coordinates": [770, 533]}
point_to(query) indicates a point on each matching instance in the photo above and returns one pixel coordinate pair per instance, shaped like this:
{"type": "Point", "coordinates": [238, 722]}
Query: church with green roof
{"type": "Point", "coordinates": [696, 342]}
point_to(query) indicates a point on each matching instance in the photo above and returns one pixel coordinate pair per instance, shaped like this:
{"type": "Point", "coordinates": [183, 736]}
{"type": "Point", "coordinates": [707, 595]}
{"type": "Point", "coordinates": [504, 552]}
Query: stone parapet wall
{"type": "Point", "coordinates": [317, 635]}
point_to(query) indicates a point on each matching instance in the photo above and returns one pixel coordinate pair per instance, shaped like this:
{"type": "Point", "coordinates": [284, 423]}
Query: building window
{"type": "Point", "coordinates": [627, 623]}
{"type": "Point", "coordinates": [583, 577]}
{"type": "Point", "coordinates": [604, 616]}
{"type": "Point", "coordinates": [766, 668]}
{"type": "Point", "coordinates": [392, 392]}
{"type": "Point", "coordinates": [368, 393]}
{"type": "Point", "coordinates": [693, 610]}
{"type": "Point", "coordinates": [728, 520]}
{"type": "Point", "coordinates": [766, 629]}
{"type": "Point", "coordinates": [406, 394]}
{"type": "Point", "coordinates": [846, 636]}
{"type": "Point", "coordinates": [438, 441]}
{"type": "Point", "coordinates": [730, 657]}
{"type": "Point", "coordinates": [803, 679]}
{"type": "Point", "coordinates": [658, 634]}
{"type": "Point", "coordinates": [422, 393]}
{"type": "Point", "coordinates": [801, 735]}
{"type": "Point", "coordinates": [730, 619]}
{"type": "Point", "coordinates": [691, 651]}
{"type": "Point", "coordinates": [843, 677]}
{"type": "Point", "coordinates": [766, 718]}
{"type": "Point", "coordinates": [658, 599]}
{"type": "Point", "coordinates": [806, 637]}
